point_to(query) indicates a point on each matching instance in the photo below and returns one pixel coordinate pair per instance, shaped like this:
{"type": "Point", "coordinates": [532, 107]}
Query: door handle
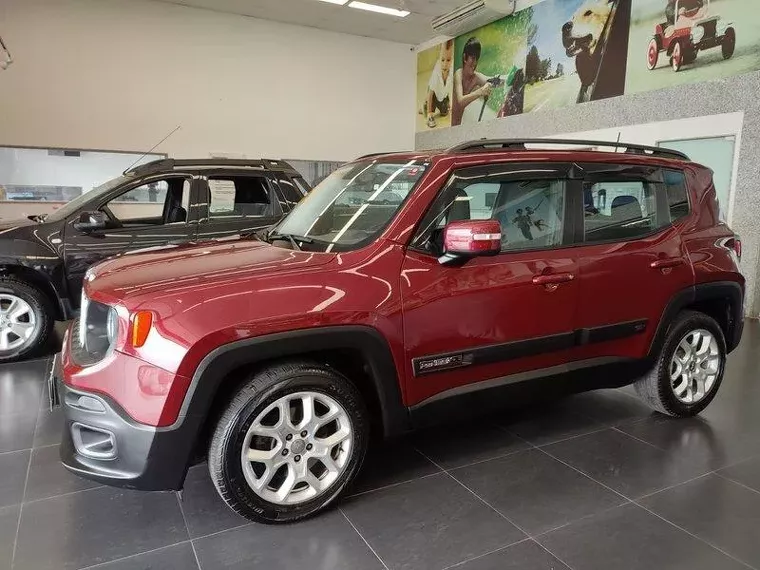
{"type": "Point", "coordinates": [553, 278]}
{"type": "Point", "coordinates": [667, 263]}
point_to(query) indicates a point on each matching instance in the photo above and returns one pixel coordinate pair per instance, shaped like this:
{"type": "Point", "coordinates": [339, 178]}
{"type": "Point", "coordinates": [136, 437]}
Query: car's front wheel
{"type": "Point", "coordinates": [690, 367]}
{"type": "Point", "coordinates": [292, 438]}
{"type": "Point", "coordinates": [26, 319]}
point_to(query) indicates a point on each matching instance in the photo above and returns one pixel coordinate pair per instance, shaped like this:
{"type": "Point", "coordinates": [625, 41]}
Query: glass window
{"type": "Point", "coordinates": [678, 197]}
{"type": "Point", "coordinates": [353, 204]}
{"type": "Point", "coordinates": [240, 197]}
{"type": "Point", "coordinates": [618, 210]}
{"type": "Point", "coordinates": [531, 212]}
{"type": "Point", "coordinates": [303, 187]}
{"type": "Point", "coordinates": [290, 191]}
{"type": "Point", "coordinates": [154, 203]}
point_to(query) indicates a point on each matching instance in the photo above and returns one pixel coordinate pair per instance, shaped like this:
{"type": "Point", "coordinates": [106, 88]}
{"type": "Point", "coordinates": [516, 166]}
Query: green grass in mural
{"type": "Point", "coordinates": [504, 46]}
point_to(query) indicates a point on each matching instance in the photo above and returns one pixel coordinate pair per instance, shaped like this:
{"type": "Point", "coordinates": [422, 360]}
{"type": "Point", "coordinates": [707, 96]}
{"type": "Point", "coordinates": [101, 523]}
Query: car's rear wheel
{"type": "Point", "coordinates": [689, 369]}
{"type": "Point", "coordinates": [26, 319]}
{"type": "Point", "coordinates": [293, 437]}
{"type": "Point", "coordinates": [728, 45]}
{"type": "Point", "coordinates": [677, 56]}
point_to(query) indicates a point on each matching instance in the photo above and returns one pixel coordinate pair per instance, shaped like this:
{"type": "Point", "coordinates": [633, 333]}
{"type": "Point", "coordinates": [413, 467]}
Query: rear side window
{"type": "Point", "coordinates": [678, 197]}
{"type": "Point", "coordinates": [241, 197]}
{"type": "Point", "coordinates": [290, 191]}
{"type": "Point", "coordinates": [618, 210]}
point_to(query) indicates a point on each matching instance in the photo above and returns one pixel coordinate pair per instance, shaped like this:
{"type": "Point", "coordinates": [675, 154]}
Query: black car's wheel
{"type": "Point", "coordinates": [653, 53]}
{"type": "Point", "coordinates": [690, 367]}
{"type": "Point", "coordinates": [289, 442]}
{"type": "Point", "coordinates": [728, 45]}
{"type": "Point", "coordinates": [26, 319]}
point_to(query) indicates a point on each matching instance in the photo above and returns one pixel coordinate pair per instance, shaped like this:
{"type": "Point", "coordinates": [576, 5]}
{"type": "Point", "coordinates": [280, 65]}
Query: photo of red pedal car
{"type": "Point", "coordinates": [689, 28]}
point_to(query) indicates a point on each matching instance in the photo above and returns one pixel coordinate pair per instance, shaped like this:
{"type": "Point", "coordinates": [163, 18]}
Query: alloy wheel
{"type": "Point", "coordinates": [695, 366]}
{"type": "Point", "coordinates": [297, 448]}
{"type": "Point", "coordinates": [18, 323]}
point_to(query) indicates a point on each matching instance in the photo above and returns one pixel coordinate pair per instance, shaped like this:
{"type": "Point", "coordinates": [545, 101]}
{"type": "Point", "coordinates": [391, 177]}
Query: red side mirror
{"type": "Point", "coordinates": [470, 238]}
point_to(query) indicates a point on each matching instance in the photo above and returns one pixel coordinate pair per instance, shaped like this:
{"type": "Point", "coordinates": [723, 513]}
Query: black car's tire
{"type": "Point", "coordinates": [657, 389]}
{"type": "Point", "coordinates": [728, 45]}
{"type": "Point", "coordinates": [265, 389]}
{"type": "Point", "coordinates": [42, 311]}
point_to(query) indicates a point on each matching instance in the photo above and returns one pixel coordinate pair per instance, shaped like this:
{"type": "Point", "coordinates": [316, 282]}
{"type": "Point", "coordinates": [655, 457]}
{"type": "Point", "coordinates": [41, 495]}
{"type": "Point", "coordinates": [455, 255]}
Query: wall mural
{"type": "Point", "coordinates": [564, 52]}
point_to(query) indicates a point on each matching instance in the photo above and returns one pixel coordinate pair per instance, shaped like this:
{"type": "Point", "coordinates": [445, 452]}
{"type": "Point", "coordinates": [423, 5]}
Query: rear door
{"type": "Point", "coordinates": [233, 203]}
{"type": "Point", "coordinates": [632, 260]}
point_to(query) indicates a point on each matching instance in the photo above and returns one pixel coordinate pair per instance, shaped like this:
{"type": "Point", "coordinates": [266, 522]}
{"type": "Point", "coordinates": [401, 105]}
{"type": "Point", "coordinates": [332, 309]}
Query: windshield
{"type": "Point", "coordinates": [70, 207]}
{"type": "Point", "coordinates": [353, 205]}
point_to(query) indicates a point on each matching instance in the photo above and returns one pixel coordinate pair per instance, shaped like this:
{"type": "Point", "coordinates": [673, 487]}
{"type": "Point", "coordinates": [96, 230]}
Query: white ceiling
{"type": "Point", "coordinates": [414, 29]}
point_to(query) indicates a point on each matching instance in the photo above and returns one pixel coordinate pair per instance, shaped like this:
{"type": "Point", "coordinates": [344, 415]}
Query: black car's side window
{"type": "Point", "coordinates": [241, 197]}
{"type": "Point", "coordinates": [157, 202]}
{"type": "Point", "coordinates": [290, 191]}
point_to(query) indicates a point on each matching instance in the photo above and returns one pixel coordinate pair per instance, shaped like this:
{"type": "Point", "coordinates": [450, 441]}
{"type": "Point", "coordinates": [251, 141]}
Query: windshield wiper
{"type": "Point", "coordinates": [292, 238]}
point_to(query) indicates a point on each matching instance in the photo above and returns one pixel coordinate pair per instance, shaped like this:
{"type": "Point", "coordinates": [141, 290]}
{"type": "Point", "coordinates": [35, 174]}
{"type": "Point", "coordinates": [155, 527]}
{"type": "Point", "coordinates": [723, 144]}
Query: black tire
{"type": "Point", "coordinates": [43, 312]}
{"type": "Point", "coordinates": [728, 45]}
{"type": "Point", "coordinates": [655, 388]}
{"type": "Point", "coordinates": [264, 388]}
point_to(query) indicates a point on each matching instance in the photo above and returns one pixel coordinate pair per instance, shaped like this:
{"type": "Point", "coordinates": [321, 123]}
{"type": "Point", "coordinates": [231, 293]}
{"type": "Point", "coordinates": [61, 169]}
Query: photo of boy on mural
{"type": "Point", "coordinates": [439, 86]}
{"type": "Point", "coordinates": [469, 84]}
{"type": "Point", "coordinates": [701, 40]}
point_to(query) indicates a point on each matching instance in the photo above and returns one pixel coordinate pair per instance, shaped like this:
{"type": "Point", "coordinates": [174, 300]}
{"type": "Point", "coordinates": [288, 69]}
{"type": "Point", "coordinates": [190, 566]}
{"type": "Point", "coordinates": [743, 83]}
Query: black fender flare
{"type": "Point", "coordinates": [220, 362]}
{"type": "Point", "coordinates": [732, 290]}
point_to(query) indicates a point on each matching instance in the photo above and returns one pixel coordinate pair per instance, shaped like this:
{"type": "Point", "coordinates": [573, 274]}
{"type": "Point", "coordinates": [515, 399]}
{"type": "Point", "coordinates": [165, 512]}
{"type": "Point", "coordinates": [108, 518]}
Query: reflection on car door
{"type": "Point", "coordinates": [632, 261]}
{"type": "Point", "coordinates": [492, 318]}
{"type": "Point", "coordinates": [152, 212]}
{"type": "Point", "coordinates": [237, 203]}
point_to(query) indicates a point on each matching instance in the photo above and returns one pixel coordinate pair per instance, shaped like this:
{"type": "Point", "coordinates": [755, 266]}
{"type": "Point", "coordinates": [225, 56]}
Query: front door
{"type": "Point", "coordinates": [237, 203]}
{"type": "Point", "coordinates": [149, 213]}
{"type": "Point", "coordinates": [498, 318]}
{"type": "Point", "coordinates": [632, 261]}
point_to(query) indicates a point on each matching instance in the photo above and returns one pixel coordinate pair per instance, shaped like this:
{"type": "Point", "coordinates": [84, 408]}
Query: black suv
{"type": "Point", "coordinates": [163, 203]}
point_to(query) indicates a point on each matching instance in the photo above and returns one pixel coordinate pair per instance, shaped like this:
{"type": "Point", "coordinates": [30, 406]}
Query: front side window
{"type": "Point", "coordinates": [530, 212]}
{"type": "Point", "coordinates": [156, 202]}
{"type": "Point", "coordinates": [353, 204]}
{"type": "Point", "coordinates": [240, 197]}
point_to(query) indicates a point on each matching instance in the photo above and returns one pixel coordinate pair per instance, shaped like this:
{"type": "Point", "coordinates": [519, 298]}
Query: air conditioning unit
{"type": "Point", "coordinates": [471, 15]}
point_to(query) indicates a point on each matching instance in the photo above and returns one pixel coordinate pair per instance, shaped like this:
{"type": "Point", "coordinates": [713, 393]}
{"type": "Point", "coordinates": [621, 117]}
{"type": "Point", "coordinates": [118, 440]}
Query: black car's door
{"type": "Point", "coordinates": [236, 202]}
{"type": "Point", "coordinates": [150, 212]}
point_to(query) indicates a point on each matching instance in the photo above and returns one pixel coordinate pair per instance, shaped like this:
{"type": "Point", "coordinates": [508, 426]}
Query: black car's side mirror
{"type": "Point", "coordinates": [91, 221]}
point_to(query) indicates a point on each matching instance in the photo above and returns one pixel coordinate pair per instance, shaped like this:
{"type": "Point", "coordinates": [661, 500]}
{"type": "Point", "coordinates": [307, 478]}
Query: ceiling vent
{"type": "Point", "coordinates": [471, 15]}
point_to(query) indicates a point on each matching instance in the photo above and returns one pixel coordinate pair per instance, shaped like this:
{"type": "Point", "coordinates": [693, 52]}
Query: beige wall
{"type": "Point", "coordinates": [121, 74]}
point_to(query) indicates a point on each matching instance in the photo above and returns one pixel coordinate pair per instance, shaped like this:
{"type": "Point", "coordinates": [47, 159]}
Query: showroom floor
{"type": "Point", "coordinates": [593, 482]}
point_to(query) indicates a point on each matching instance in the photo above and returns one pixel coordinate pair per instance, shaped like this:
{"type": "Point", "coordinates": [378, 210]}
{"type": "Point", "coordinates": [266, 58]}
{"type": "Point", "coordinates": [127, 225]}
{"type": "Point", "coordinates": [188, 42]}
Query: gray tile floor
{"type": "Point", "coordinates": [594, 481]}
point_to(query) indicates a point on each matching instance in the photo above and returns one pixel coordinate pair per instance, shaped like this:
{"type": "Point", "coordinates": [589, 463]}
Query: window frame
{"type": "Point", "coordinates": [517, 171]}
{"type": "Point", "coordinates": [604, 171]}
{"type": "Point", "coordinates": [101, 204]}
{"type": "Point", "coordinates": [204, 193]}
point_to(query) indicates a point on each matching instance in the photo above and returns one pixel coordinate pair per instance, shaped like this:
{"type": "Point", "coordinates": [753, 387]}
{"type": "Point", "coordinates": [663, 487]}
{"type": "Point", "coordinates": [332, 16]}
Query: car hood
{"type": "Point", "coordinates": [7, 226]}
{"type": "Point", "coordinates": [174, 269]}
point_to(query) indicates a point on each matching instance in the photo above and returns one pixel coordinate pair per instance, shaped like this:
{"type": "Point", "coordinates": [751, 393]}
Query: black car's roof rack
{"type": "Point", "coordinates": [519, 144]}
{"type": "Point", "coordinates": [173, 163]}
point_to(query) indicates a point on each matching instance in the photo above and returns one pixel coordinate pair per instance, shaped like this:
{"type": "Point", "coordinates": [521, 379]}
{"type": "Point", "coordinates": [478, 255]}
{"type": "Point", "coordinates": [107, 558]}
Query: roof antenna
{"type": "Point", "coordinates": [151, 149]}
{"type": "Point", "coordinates": [618, 140]}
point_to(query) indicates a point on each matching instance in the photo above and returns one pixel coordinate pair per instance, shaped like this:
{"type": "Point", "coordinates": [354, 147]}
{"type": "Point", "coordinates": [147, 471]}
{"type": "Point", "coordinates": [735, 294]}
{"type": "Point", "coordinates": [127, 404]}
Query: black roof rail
{"type": "Point", "coordinates": [519, 144]}
{"type": "Point", "coordinates": [173, 163]}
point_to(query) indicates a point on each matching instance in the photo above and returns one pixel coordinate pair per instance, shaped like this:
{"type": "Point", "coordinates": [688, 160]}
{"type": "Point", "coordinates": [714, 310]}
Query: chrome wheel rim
{"type": "Point", "coordinates": [297, 448]}
{"type": "Point", "coordinates": [695, 366]}
{"type": "Point", "coordinates": [18, 323]}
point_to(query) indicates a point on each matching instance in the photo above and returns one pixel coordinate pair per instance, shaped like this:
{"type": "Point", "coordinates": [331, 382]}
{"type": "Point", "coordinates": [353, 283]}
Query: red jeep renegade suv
{"type": "Point", "coordinates": [404, 287]}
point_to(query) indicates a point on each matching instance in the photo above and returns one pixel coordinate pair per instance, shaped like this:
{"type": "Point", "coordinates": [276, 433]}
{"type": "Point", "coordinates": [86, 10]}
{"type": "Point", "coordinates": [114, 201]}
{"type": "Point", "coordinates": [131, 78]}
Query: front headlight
{"type": "Point", "coordinates": [112, 326]}
{"type": "Point", "coordinates": [98, 331]}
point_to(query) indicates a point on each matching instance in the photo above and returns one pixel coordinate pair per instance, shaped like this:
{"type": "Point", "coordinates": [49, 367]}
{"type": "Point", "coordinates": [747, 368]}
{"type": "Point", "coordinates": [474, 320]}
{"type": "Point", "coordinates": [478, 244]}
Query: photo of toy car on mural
{"type": "Point", "coordinates": [558, 53]}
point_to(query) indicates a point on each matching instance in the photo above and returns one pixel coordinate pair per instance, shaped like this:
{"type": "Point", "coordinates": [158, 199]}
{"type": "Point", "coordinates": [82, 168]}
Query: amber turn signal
{"type": "Point", "coordinates": [141, 324]}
